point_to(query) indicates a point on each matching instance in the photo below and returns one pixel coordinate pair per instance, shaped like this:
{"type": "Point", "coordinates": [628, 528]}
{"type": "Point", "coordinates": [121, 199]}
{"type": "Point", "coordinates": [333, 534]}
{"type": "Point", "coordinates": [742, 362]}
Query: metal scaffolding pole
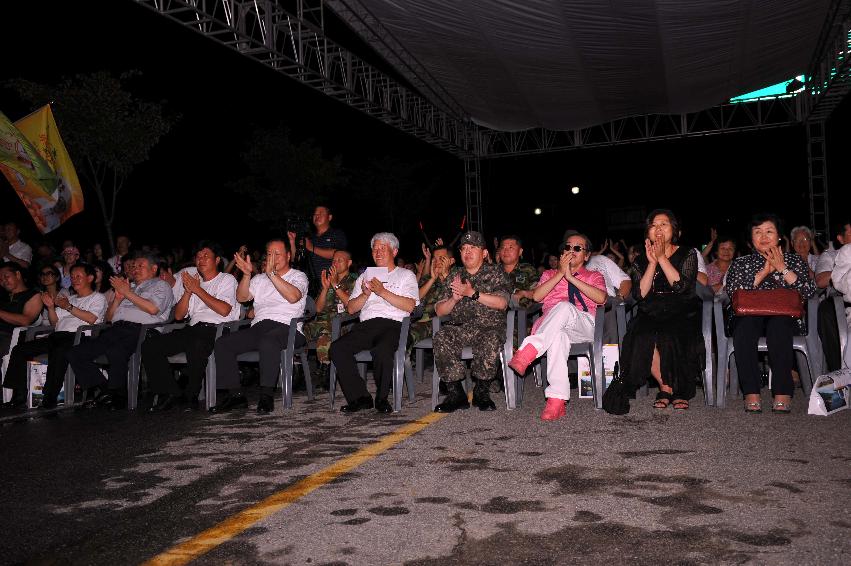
{"type": "Point", "coordinates": [473, 190]}
{"type": "Point", "coordinates": [817, 166]}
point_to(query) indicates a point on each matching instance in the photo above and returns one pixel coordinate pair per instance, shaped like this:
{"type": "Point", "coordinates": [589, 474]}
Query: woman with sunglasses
{"type": "Point", "coordinates": [664, 339]}
{"type": "Point", "coordinates": [570, 295]}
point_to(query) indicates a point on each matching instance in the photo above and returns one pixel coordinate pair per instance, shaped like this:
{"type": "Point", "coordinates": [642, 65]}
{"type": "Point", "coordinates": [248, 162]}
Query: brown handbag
{"type": "Point", "coordinates": [768, 302]}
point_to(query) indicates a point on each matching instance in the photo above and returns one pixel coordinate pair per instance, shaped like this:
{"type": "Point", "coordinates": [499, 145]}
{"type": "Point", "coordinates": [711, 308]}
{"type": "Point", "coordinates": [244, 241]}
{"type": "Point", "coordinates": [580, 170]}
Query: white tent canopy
{"type": "Point", "coordinates": [512, 65]}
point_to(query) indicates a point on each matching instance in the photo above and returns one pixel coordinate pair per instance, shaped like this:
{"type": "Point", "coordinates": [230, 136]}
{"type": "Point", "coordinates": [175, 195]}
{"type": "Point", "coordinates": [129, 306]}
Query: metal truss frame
{"type": "Point", "coordinates": [829, 73]}
{"type": "Point", "coordinates": [473, 192]}
{"type": "Point", "coordinates": [759, 114]}
{"type": "Point", "coordinates": [817, 169]}
{"type": "Point", "coordinates": [288, 36]}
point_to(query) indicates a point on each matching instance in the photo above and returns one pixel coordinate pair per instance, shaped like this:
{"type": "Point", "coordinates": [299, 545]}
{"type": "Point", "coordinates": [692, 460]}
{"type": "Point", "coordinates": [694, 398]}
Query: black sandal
{"type": "Point", "coordinates": [663, 400]}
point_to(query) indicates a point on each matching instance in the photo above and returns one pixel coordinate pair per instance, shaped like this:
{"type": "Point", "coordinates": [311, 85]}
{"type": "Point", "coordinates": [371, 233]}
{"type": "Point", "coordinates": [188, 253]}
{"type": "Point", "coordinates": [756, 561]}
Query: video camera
{"type": "Point", "coordinates": [300, 226]}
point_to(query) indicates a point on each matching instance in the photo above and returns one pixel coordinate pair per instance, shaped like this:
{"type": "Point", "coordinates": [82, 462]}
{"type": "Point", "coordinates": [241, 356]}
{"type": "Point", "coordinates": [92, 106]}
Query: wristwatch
{"type": "Point", "coordinates": [475, 296]}
{"type": "Point", "coordinates": [784, 272]}
{"type": "Point", "coordinates": [337, 286]}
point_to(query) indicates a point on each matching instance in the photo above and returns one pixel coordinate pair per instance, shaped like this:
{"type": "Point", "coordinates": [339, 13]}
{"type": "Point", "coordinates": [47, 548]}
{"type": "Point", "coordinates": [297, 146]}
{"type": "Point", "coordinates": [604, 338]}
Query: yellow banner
{"type": "Point", "coordinates": [30, 175]}
{"type": "Point", "coordinates": [66, 199]}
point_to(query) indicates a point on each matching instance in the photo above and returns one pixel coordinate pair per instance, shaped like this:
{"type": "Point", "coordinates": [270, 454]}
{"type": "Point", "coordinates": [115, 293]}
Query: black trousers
{"type": "Point", "coordinates": [56, 346]}
{"type": "Point", "coordinates": [381, 337]}
{"type": "Point", "coordinates": [268, 337]}
{"type": "Point", "coordinates": [5, 342]}
{"type": "Point", "coordinates": [197, 341]}
{"type": "Point", "coordinates": [828, 332]}
{"type": "Point", "coordinates": [117, 343]}
{"type": "Point", "coordinates": [778, 331]}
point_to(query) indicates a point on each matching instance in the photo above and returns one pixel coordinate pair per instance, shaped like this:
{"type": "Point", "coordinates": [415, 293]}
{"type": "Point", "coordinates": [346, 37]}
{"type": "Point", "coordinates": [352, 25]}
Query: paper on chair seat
{"type": "Point", "coordinates": [830, 393]}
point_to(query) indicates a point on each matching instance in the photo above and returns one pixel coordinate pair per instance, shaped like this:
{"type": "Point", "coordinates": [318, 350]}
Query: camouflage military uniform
{"type": "Point", "coordinates": [524, 277]}
{"type": "Point", "coordinates": [421, 328]}
{"type": "Point", "coordinates": [472, 324]}
{"type": "Point", "coordinates": [319, 329]}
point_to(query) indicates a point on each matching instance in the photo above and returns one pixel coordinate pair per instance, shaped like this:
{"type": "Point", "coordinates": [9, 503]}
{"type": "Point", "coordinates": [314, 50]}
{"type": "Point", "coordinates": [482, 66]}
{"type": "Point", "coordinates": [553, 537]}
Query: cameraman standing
{"type": "Point", "coordinates": [320, 249]}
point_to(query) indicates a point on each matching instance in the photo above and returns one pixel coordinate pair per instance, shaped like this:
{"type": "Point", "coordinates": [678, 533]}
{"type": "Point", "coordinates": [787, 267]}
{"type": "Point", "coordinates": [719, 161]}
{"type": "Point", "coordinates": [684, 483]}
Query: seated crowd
{"type": "Point", "coordinates": [137, 291]}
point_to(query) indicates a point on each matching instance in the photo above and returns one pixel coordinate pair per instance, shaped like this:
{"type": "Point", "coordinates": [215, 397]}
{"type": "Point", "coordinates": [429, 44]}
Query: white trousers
{"type": "Point", "coordinates": [562, 326]}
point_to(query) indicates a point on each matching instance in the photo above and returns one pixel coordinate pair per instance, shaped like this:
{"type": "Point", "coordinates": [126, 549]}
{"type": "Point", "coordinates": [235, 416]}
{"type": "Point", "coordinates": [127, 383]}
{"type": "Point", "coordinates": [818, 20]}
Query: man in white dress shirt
{"type": "Point", "coordinates": [279, 295]}
{"type": "Point", "coordinates": [382, 301]}
{"type": "Point", "coordinates": [207, 298]}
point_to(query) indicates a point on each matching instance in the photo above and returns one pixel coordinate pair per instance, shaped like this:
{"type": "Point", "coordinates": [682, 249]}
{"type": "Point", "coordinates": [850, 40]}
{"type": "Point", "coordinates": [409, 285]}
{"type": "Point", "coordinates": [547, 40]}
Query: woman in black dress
{"type": "Point", "coordinates": [664, 339]}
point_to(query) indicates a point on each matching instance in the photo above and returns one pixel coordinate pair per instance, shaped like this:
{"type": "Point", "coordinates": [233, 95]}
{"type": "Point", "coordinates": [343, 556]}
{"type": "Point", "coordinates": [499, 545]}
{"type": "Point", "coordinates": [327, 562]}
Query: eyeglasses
{"type": "Point", "coordinates": [574, 248]}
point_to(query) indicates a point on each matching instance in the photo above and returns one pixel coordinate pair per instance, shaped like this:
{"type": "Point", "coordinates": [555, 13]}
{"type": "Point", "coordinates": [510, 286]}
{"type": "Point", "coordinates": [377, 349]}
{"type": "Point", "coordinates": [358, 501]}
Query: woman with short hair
{"type": "Point", "coordinates": [768, 267]}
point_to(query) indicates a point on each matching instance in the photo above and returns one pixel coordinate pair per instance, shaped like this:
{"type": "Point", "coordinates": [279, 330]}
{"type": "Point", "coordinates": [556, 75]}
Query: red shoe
{"type": "Point", "coordinates": [522, 358]}
{"type": "Point", "coordinates": [554, 410]}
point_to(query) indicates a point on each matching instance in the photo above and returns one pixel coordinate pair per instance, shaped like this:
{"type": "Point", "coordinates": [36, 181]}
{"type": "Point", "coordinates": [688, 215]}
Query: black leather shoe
{"type": "Point", "coordinates": [265, 405]}
{"type": "Point", "coordinates": [230, 403]}
{"type": "Point", "coordinates": [383, 406]}
{"type": "Point", "coordinates": [481, 396]}
{"type": "Point", "coordinates": [364, 402]}
{"type": "Point", "coordinates": [166, 402]}
{"type": "Point", "coordinates": [14, 404]}
{"type": "Point", "coordinates": [112, 402]}
{"type": "Point", "coordinates": [454, 400]}
{"type": "Point", "coordinates": [48, 403]}
{"type": "Point", "coordinates": [299, 382]}
{"type": "Point", "coordinates": [322, 377]}
{"type": "Point", "coordinates": [103, 399]}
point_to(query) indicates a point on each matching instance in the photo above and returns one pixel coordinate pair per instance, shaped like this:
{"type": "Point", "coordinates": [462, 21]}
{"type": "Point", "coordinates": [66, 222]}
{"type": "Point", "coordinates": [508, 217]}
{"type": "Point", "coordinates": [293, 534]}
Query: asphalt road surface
{"type": "Point", "coordinates": [704, 486]}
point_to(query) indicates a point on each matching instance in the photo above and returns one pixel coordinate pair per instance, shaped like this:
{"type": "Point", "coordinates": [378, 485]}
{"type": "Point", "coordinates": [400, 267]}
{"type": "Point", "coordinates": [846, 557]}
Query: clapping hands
{"type": "Point", "coordinates": [243, 263]}
{"type": "Point", "coordinates": [461, 288]}
{"type": "Point", "coordinates": [191, 284]}
{"type": "Point", "coordinates": [655, 250]}
{"type": "Point", "coordinates": [774, 260]}
{"type": "Point", "coordinates": [61, 301]}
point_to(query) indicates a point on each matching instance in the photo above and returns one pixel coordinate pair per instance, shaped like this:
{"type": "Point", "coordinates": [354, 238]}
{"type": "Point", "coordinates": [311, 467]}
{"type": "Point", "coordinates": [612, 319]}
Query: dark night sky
{"type": "Point", "coordinates": [223, 96]}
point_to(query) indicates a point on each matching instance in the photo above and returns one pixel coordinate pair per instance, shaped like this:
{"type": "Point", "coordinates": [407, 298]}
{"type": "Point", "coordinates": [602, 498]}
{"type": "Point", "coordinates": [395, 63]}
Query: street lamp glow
{"type": "Point", "coordinates": [575, 190]}
{"type": "Point", "coordinates": [537, 212]}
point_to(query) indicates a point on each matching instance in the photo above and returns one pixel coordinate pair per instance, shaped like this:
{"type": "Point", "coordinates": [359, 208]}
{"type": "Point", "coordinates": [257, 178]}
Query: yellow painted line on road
{"type": "Point", "coordinates": [229, 528]}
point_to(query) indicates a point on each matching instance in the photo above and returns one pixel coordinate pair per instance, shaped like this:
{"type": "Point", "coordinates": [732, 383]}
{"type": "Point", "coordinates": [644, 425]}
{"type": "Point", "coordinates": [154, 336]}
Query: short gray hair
{"type": "Point", "coordinates": [797, 229]}
{"type": "Point", "coordinates": [387, 237]}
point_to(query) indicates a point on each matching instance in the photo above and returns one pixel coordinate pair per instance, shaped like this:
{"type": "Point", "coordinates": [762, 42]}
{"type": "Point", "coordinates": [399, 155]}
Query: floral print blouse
{"type": "Point", "coordinates": [743, 270]}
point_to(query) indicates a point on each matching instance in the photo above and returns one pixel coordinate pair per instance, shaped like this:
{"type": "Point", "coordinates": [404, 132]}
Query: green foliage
{"type": "Point", "coordinates": [285, 177]}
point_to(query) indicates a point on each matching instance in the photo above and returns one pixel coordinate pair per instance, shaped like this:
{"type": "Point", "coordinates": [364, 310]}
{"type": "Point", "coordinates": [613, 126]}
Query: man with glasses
{"type": "Point", "coordinates": [570, 295]}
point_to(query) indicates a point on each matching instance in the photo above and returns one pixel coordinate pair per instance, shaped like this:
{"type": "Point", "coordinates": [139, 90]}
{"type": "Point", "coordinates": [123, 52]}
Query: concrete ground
{"type": "Point", "coordinates": [705, 486]}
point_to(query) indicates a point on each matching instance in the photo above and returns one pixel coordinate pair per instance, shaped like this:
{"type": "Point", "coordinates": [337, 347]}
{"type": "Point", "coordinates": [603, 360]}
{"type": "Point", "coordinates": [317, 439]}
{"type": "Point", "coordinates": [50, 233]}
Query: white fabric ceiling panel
{"type": "Point", "coordinates": [513, 65]}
